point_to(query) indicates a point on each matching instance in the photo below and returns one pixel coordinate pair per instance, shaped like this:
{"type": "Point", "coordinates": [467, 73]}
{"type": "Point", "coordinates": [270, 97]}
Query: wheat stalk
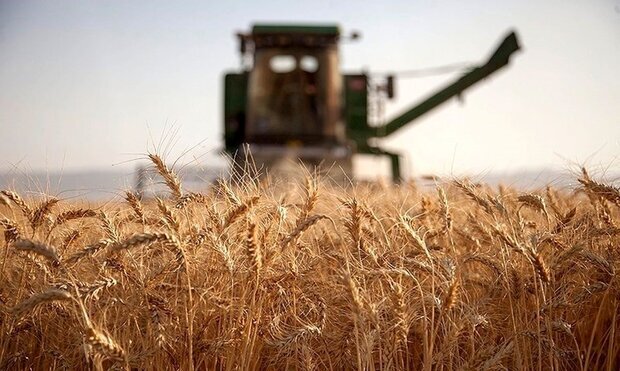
{"type": "Point", "coordinates": [302, 226]}
{"type": "Point", "coordinates": [143, 239]}
{"type": "Point", "coordinates": [253, 249]}
{"type": "Point", "coordinates": [239, 211]}
{"type": "Point", "coordinates": [38, 248]}
{"type": "Point", "coordinates": [11, 230]}
{"type": "Point", "coordinates": [17, 200]}
{"type": "Point", "coordinates": [38, 215]}
{"type": "Point", "coordinates": [34, 301]}
{"type": "Point", "coordinates": [136, 206]}
{"type": "Point", "coordinates": [104, 345]}
{"type": "Point", "coordinates": [109, 227]}
{"type": "Point", "coordinates": [172, 181]}
{"type": "Point", "coordinates": [89, 250]}
{"type": "Point", "coordinates": [168, 216]}
{"type": "Point", "coordinates": [69, 215]}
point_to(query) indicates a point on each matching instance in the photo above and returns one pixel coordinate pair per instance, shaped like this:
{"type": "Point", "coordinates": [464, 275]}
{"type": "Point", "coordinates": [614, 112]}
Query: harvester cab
{"type": "Point", "coordinates": [286, 104]}
{"type": "Point", "coordinates": [291, 103]}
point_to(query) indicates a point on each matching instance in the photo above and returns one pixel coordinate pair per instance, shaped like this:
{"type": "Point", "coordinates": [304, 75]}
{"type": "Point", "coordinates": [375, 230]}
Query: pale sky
{"type": "Point", "coordinates": [82, 83]}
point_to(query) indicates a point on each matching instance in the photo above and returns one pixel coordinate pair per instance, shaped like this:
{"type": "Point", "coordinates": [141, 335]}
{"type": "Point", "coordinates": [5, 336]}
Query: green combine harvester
{"type": "Point", "coordinates": [290, 102]}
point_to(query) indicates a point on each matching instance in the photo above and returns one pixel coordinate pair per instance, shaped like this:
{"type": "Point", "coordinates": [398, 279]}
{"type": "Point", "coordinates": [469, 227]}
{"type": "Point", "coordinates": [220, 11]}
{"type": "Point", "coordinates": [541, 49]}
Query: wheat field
{"type": "Point", "coordinates": [255, 274]}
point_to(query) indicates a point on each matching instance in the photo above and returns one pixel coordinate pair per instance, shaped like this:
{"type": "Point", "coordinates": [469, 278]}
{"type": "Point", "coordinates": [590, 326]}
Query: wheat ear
{"type": "Point", "coordinates": [41, 298]}
{"type": "Point", "coordinates": [172, 181]}
{"type": "Point", "coordinates": [46, 251]}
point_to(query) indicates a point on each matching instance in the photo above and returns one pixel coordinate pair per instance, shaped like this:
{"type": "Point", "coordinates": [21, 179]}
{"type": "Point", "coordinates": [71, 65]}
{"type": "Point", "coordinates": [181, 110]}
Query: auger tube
{"type": "Point", "coordinates": [498, 60]}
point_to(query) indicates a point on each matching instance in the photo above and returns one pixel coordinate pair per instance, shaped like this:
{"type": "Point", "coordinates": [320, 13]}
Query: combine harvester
{"type": "Point", "coordinates": [291, 103]}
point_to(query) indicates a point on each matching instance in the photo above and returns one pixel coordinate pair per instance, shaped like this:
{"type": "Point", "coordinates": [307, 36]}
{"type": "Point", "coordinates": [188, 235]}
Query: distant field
{"type": "Point", "coordinates": [251, 274]}
{"type": "Point", "coordinates": [105, 185]}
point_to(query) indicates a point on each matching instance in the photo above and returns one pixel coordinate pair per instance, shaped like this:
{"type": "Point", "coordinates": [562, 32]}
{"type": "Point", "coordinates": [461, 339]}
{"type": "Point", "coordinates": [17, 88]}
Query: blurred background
{"type": "Point", "coordinates": [86, 87]}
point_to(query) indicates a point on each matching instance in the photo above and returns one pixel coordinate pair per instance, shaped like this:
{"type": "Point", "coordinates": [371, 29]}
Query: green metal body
{"type": "Point", "coordinates": [287, 29]}
{"type": "Point", "coordinates": [235, 100]}
{"type": "Point", "coordinates": [359, 133]}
